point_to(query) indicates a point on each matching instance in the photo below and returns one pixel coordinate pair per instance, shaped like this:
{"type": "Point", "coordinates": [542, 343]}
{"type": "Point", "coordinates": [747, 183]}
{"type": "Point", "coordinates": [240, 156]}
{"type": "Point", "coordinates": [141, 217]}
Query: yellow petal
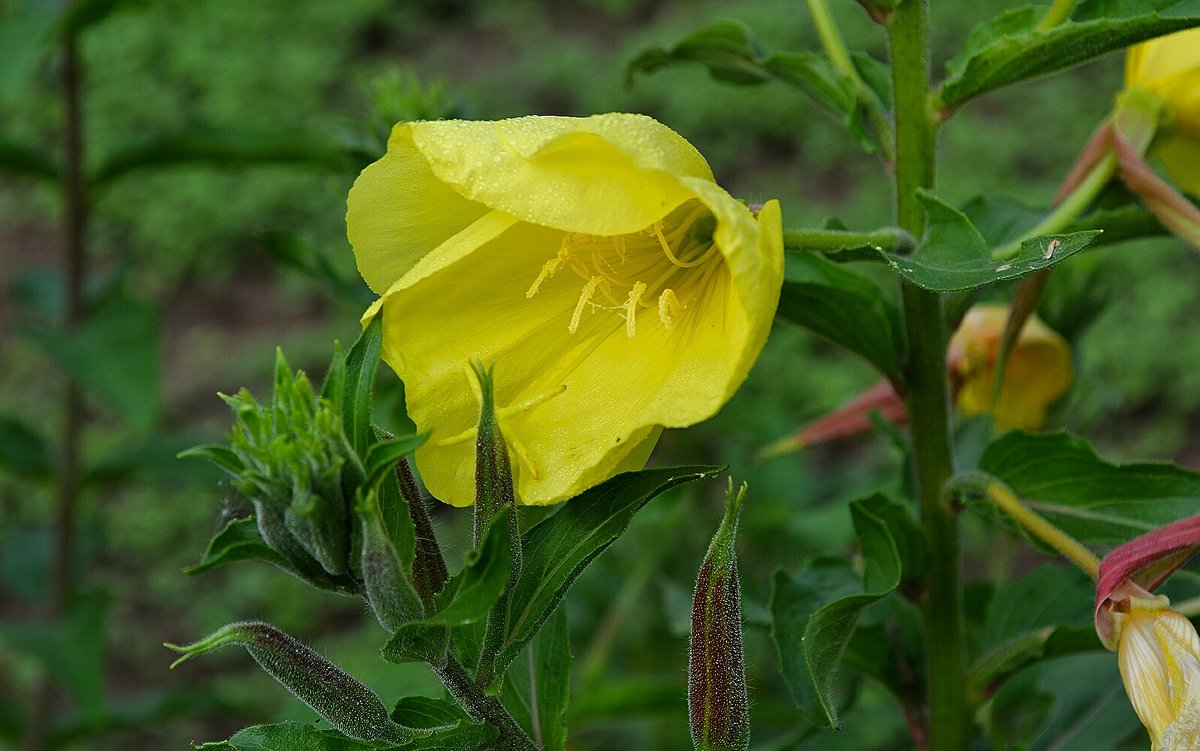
{"type": "Point", "coordinates": [1169, 66]}
{"type": "Point", "coordinates": [1182, 159]}
{"type": "Point", "coordinates": [398, 210]}
{"type": "Point", "coordinates": [1039, 369]}
{"type": "Point", "coordinates": [601, 175]}
{"type": "Point", "coordinates": [1158, 653]}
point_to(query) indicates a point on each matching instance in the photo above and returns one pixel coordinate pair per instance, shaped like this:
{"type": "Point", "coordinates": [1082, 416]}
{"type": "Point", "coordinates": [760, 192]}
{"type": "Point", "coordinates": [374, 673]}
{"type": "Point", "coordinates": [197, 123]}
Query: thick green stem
{"type": "Point", "coordinates": [833, 240]}
{"type": "Point", "coordinates": [928, 407]}
{"type": "Point", "coordinates": [483, 708]}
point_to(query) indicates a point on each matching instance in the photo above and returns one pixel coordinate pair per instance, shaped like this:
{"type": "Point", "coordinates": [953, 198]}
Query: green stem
{"type": "Point", "coordinates": [483, 708]}
{"type": "Point", "coordinates": [1067, 211]}
{"type": "Point", "coordinates": [1071, 549]}
{"type": "Point", "coordinates": [929, 406]}
{"type": "Point", "coordinates": [831, 40]}
{"type": "Point", "coordinates": [1057, 14]}
{"type": "Point", "coordinates": [69, 470]}
{"type": "Point", "coordinates": [833, 240]}
{"type": "Point", "coordinates": [429, 565]}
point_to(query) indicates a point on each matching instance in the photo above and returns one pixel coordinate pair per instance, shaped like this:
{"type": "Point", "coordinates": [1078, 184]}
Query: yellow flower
{"type": "Point", "coordinates": [1169, 66]}
{"type": "Point", "coordinates": [1038, 371]}
{"type": "Point", "coordinates": [616, 287]}
{"type": "Point", "coordinates": [1158, 652]}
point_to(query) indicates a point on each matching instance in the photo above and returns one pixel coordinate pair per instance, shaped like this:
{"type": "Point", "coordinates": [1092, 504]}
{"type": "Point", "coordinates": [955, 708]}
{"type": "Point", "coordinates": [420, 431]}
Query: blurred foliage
{"type": "Point", "coordinates": [204, 244]}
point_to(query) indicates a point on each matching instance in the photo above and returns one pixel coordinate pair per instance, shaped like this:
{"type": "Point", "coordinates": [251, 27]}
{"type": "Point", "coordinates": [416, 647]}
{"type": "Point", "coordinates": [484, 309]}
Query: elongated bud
{"type": "Point", "coordinates": [388, 588]}
{"type": "Point", "coordinates": [332, 693]}
{"type": "Point", "coordinates": [493, 469]}
{"type": "Point", "coordinates": [717, 702]}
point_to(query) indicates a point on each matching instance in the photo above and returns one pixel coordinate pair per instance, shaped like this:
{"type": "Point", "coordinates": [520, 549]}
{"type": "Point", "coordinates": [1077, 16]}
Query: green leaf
{"type": "Point", "coordinates": [288, 736]}
{"type": "Point", "coordinates": [731, 54]}
{"type": "Point", "coordinates": [382, 456]}
{"type": "Point", "coordinates": [462, 735]}
{"type": "Point", "coordinates": [362, 363]}
{"type": "Point", "coordinates": [25, 161]}
{"type": "Point", "coordinates": [1010, 48]}
{"type": "Point", "coordinates": [538, 688]}
{"type": "Point", "coordinates": [1042, 615]}
{"type": "Point", "coordinates": [114, 352]}
{"type": "Point", "coordinates": [1001, 220]}
{"type": "Point", "coordinates": [954, 256]}
{"type": "Point", "coordinates": [23, 451]}
{"type": "Point", "coordinates": [558, 549]}
{"type": "Point", "coordinates": [449, 726]}
{"type": "Point", "coordinates": [845, 307]}
{"type": "Point", "coordinates": [220, 147]}
{"type": "Point", "coordinates": [467, 598]}
{"type": "Point", "coordinates": [22, 41]}
{"type": "Point", "coordinates": [238, 541]}
{"type": "Point", "coordinates": [1096, 502]}
{"type": "Point", "coordinates": [813, 616]}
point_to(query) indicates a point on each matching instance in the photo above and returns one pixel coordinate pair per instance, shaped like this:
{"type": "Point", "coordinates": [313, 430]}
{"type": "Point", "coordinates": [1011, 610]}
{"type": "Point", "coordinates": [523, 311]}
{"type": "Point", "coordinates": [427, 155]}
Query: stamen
{"type": "Point", "coordinates": [599, 262]}
{"type": "Point", "coordinates": [523, 457]}
{"type": "Point", "coordinates": [668, 307]}
{"type": "Point", "coordinates": [618, 242]}
{"type": "Point", "coordinates": [662, 241]}
{"type": "Point", "coordinates": [463, 437]}
{"type": "Point", "coordinates": [525, 406]}
{"type": "Point", "coordinates": [631, 306]}
{"type": "Point", "coordinates": [585, 297]}
{"type": "Point", "coordinates": [549, 268]}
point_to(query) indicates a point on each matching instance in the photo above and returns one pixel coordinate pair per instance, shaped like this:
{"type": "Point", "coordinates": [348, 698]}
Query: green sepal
{"type": "Point", "coordinates": [335, 695]}
{"type": "Point", "coordinates": [386, 584]}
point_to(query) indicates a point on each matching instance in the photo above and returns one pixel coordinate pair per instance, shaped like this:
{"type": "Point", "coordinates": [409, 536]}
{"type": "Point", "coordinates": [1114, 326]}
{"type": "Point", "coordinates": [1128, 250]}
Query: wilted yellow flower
{"type": "Point", "coordinates": [1038, 372]}
{"type": "Point", "coordinates": [1169, 66]}
{"type": "Point", "coordinates": [1158, 652]}
{"type": "Point", "coordinates": [616, 287]}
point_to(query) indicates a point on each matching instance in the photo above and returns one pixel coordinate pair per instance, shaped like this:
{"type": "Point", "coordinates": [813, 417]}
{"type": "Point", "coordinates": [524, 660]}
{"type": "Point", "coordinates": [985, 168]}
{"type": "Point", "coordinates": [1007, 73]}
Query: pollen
{"type": "Point", "coordinates": [668, 307]}
{"type": "Point", "coordinates": [585, 297]}
{"type": "Point", "coordinates": [631, 307]}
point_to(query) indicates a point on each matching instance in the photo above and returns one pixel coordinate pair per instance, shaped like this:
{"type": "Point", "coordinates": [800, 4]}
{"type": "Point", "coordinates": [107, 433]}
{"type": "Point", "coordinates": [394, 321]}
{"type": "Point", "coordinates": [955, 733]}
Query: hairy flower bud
{"type": "Point", "coordinates": [337, 696]}
{"type": "Point", "coordinates": [717, 701]}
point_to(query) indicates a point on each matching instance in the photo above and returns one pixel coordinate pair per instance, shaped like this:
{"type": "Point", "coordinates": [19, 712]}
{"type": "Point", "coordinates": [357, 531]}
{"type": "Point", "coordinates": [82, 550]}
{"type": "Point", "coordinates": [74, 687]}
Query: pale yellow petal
{"type": "Point", "coordinates": [1159, 657]}
{"type": "Point", "coordinates": [398, 211]}
{"type": "Point", "coordinates": [601, 175]}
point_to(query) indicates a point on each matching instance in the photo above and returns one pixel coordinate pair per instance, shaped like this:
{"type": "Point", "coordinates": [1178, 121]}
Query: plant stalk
{"type": "Point", "coordinates": [1057, 13]}
{"type": "Point", "coordinates": [70, 480]}
{"type": "Point", "coordinates": [483, 708]}
{"type": "Point", "coordinates": [929, 405]}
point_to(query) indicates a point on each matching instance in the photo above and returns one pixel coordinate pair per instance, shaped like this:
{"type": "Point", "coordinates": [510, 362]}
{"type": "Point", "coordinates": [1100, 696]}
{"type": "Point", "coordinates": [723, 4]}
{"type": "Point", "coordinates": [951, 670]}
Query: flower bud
{"type": "Point", "coordinates": [337, 696]}
{"type": "Point", "coordinates": [718, 708]}
{"type": "Point", "coordinates": [1038, 371]}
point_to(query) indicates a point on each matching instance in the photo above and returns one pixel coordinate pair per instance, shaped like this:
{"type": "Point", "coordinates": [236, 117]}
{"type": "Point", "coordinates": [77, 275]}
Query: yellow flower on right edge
{"type": "Point", "coordinates": [1158, 653]}
{"type": "Point", "coordinates": [1169, 67]}
{"type": "Point", "coordinates": [1039, 368]}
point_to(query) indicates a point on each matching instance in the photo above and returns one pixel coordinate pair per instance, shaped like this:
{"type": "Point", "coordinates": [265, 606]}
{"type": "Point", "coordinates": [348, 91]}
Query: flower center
{"type": "Point", "coordinates": [642, 271]}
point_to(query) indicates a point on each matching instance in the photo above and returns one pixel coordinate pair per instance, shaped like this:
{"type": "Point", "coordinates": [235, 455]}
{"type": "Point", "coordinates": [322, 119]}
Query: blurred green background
{"type": "Point", "coordinates": [205, 249]}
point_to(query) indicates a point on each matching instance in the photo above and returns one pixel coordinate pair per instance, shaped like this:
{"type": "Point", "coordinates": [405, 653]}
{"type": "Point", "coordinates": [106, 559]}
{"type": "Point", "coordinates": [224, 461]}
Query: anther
{"type": "Point", "coordinates": [668, 307]}
{"type": "Point", "coordinates": [585, 297]}
{"type": "Point", "coordinates": [631, 306]}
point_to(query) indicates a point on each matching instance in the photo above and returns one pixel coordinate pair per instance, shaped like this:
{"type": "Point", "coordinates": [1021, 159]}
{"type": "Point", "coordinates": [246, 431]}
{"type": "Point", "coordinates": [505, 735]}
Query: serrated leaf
{"type": "Point", "coordinates": [220, 147]}
{"type": "Point", "coordinates": [1040, 615]}
{"type": "Point", "coordinates": [1009, 48]}
{"type": "Point", "coordinates": [954, 256]}
{"type": "Point", "coordinates": [23, 451]}
{"type": "Point", "coordinates": [1001, 220]}
{"type": "Point", "coordinates": [539, 684]}
{"type": "Point", "coordinates": [238, 541]}
{"type": "Point", "coordinates": [812, 623]}
{"type": "Point", "coordinates": [730, 52]}
{"type": "Point", "coordinates": [845, 307]}
{"type": "Point", "coordinates": [558, 549]}
{"type": "Point", "coordinates": [1097, 502]}
{"type": "Point", "coordinates": [114, 353]}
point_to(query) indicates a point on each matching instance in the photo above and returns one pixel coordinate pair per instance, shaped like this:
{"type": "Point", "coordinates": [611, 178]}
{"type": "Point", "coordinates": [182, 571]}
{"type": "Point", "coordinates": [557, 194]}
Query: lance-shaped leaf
{"type": "Point", "coordinates": [538, 688]}
{"type": "Point", "coordinates": [954, 256]}
{"type": "Point", "coordinates": [1061, 477]}
{"type": "Point", "coordinates": [239, 540]}
{"type": "Point", "coordinates": [1011, 47]}
{"type": "Point", "coordinates": [558, 549]}
{"type": "Point", "coordinates": [718, 706]}
{"type": "Point", "coordinates": [730, 52]}
{"type": "Point", "coordinates": [845, 307]}
{"type": "Point", "coordinates": [813, 616]}
{"type": "Point", "coordinates": [386, 584]}
{"type": "Point", "coordinates": [328, 690]}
